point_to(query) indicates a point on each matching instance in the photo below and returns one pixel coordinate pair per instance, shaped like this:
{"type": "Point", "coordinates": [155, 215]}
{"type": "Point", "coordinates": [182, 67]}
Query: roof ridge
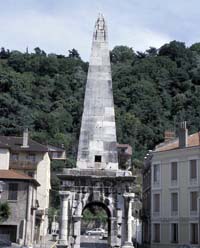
{"type": "Point", "coordinates": [167, 142]}
{"type": "Point", "coordinates": [16, 173]}
{"type": "Point", "coordinates": [199, 136]}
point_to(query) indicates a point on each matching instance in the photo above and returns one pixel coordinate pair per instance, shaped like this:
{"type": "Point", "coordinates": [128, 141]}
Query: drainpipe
{"type": "Point", "coordinates": [28, 208]}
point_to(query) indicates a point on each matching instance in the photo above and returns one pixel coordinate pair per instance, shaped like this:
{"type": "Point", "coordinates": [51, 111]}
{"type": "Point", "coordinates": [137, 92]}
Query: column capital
{"type": "Point", "coordinates": [131, 196]}
{"type": "Point", "coordinates": [64, 194]}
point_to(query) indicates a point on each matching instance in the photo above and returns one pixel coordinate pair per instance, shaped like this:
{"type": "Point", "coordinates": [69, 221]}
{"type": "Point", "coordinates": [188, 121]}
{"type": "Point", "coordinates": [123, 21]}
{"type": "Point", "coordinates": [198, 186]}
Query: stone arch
{"type": "Point", "coordinates": [108, 211]}
{"type": "Point", "coordinates": [100, 204]}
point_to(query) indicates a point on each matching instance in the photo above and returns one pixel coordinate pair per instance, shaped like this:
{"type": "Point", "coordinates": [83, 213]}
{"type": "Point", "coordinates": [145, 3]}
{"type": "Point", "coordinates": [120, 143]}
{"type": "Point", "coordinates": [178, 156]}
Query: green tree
{"type": "Point", "coordinates": [4, 211]}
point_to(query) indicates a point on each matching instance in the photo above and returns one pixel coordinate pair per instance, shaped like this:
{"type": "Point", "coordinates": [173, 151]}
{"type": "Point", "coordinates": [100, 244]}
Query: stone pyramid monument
{"type": "Point", "coordinates": [97, 143]}
{"type": "Point", "coordinates": [97, 180]}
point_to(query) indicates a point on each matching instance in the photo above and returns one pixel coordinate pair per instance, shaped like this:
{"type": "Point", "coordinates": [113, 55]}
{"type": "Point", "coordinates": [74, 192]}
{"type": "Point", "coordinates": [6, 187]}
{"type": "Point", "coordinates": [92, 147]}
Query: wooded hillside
{"type": "Point", "coordinates": [153, 91]}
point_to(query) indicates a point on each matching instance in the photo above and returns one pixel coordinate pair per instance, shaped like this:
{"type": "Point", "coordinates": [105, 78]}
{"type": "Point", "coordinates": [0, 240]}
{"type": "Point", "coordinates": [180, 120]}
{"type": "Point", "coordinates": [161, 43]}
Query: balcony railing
{"type": "Point", "coordinates": [23, 165]}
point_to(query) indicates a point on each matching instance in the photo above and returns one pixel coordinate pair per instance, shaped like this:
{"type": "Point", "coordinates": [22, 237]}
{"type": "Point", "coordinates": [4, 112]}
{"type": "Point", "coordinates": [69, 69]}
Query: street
{"type": "Point", "coordinates": [93, 242]}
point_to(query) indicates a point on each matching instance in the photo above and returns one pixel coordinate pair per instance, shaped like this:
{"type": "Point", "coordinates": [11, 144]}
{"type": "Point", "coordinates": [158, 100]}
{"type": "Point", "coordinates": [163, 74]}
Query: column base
{"type": "Point", "coordinates": [62, 244]}
{"type": "Point", "coordinates": [127, 245]}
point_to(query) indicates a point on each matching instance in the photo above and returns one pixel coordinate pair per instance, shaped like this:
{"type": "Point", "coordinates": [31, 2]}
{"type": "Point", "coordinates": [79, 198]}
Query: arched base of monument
{"type": "Point", "coordinates": [111, 190]}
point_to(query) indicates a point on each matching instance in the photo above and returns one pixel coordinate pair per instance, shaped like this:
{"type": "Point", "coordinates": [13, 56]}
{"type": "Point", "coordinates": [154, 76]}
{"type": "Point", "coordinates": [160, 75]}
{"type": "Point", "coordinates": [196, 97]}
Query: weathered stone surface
{"type": "Point", "coordinates": [98, 131]}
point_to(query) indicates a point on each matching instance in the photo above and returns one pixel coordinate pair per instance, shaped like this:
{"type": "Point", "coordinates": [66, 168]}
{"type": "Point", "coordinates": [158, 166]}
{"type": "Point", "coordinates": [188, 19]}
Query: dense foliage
{"type": "Point", "coordinates": [94, 217]}
{"type": "Point", "coordinates": [4, 211]}
{"type": "Point", "coordinates": [153, 91]}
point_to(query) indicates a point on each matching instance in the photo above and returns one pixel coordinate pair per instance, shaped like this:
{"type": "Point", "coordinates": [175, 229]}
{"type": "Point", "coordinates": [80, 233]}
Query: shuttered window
{"type": "Point", "coordinates": [156, 203]}
{"type": "Point", "coordinates": [194, 233]}
{"type": "Point", "coordinates": [156, 173]}
{"type": "Point", "coordinates": [174, 171]}
{"type": "Point", "coordinates": [193, 201]}
{"type": "Point", "coordinates": [174, 233]}
{"type": "Point", "coordinates": [193, 169]}
{"type": "Point", "coordinates": [156, 238]}
{"type": "Point", "coordinates": [174, 202]}
{"type": "Point", "coordinates": [12, 191]}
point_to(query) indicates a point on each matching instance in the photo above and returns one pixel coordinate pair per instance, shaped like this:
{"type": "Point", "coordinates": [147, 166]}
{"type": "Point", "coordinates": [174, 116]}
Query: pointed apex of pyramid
{"type": "Point", "coordinates": [100, 17]}
{"type": "Point", "coordinates": [100, 29]}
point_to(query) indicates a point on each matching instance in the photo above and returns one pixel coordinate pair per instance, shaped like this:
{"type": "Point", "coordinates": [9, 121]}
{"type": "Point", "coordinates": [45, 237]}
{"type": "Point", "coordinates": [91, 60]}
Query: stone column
{"type": "Point", "coordinates": [77, 222]}
{"type": "Point", "coordinates": [77, 231]}
{"type": "Point", "coordinates": [129, 237]}
{"type": "Point", "coordinates": [128, 198]}
{"type": "Point", "coordinates": [113, 232]}
{"type": "Point", "coordinates": [63, 236]}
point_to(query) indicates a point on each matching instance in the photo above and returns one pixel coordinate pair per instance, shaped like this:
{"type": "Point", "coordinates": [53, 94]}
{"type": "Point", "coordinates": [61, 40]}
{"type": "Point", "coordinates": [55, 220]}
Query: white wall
{"type": "Point", "coordinates": [4, 158]}
{"type": "Point", "coordinates": [183, 188]}
{"type": "Point", "coordinates": [43, 177]}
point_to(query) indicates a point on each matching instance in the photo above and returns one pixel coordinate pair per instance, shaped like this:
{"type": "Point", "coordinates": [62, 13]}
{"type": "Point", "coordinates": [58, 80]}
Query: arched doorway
{"type": "Point", "coordinates": [95, 225]}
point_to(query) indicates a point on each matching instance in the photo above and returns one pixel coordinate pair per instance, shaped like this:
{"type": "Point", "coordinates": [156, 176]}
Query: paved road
{"type": "Point", "coordinates": [86, 242]}
{"type": "Point", "coordinates": [93, 242]}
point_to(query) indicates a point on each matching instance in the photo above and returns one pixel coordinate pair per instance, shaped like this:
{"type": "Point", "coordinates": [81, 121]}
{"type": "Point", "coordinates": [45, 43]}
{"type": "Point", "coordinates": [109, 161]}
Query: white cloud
{"type": "Point", "coordinates": [139, 38]}
{"type": "Point", "coordinates": [57, 26]}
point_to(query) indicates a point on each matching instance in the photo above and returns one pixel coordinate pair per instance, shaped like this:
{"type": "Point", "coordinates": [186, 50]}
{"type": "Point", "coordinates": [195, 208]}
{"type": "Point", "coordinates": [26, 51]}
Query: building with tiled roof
{"type": "Point", "coordinates": [16, 144]}
{"type": "Point", "coordinates": [30, 159]}
{"type": "Point", "coordinates": [192, 141]}
{"type": "Point", "coordinates": [171, 197]}
{"type": "Point", "coordinates": [19, 191]}
{"type": "Point", "coordinates": [27, 156]}
{"type": "Point", "coordinates": [14, 175]}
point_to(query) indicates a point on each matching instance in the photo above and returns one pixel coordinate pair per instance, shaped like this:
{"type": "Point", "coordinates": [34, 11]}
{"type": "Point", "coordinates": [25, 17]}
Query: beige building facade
{"type": "Point", "coordinates": [24, 155]}
{"type": "Point", "coordinates": [19, 192]}
{"type": "Point", "coordinates": [175, 182]}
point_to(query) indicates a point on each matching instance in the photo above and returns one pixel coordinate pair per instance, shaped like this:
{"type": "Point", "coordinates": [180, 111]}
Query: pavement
{"type": "Point", "coordinates": [47, 242]}
{"type": "Point", "coordinates": [93, 242]}
{"type": "Point", "coordinates": [86, 242]}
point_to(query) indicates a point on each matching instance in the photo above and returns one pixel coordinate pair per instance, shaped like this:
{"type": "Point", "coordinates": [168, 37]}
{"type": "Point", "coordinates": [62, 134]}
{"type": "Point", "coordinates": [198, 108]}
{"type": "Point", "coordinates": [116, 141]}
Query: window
{"type": "Point", "coordinates": [174, 233]}
{"type": "Point", "coordinates": [156, 233]}
{"type": "Point", "coordinates": [156, 173]}
{"type": "Point", "coordinates": [12, 191]}
{"type": "Point", "coordinates": [194, 233]}
{"type": "Point", "coordinates": [97, 159]}
{"type": "Point", "coordinates": [193, 201]}
{"type": "Point", "coordinates": [193, 169]}
{"type": "Point", "coordinates": [31, 157]}
{"type": "Point", "coordinates": [57, 154]}
{"type": "Point", "coordinates": [174, 203]}
{"type": "Point", "coordinates": [174, 171]}
{"type": "Point", "coordinates": [156, 203]}
{"type": "Point", "coordinates": [14, 156]}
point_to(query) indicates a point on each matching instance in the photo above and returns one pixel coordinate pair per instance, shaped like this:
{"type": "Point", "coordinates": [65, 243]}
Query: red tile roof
{"type": "Point", "coordinates": [193, 140]}
{"type": "Point", "coordinates": [127, 147]}
{"type": "Point", "coordinates": [13, 175]}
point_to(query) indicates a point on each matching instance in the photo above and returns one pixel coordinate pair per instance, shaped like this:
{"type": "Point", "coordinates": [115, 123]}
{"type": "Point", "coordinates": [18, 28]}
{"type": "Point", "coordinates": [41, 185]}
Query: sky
{"type": "Point", "coordinates": [57, 26]}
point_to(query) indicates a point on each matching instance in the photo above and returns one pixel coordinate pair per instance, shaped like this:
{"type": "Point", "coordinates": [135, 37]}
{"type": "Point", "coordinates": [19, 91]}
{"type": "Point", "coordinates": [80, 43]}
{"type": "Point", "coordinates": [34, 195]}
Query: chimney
{"type": "Point", "coordinates": [183, 135]}
{"type": "Point", "coordinates": [25, 138]}
{"type": "Point", "coordinates": [169, 135]}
